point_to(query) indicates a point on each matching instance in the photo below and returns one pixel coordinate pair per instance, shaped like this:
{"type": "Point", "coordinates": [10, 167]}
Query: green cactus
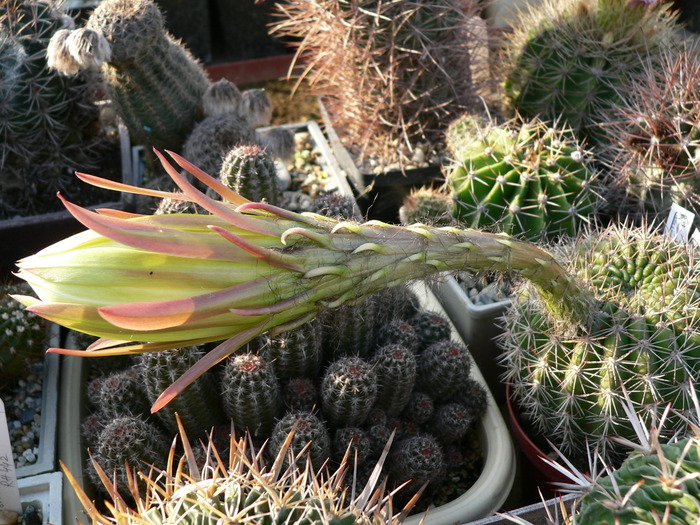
{"type": "Point", "coordinates": [567, 59]}
{"type": "Point", "coordinates": [349, 329]}
{"type": "Point", "coordinates": [156, 84]}
{"type": "Point", "coordinates": [296, 353]}
{"type": "Point", "coordinates": [22, 334]}
{"type": "Point", "coordinates": [251, 172]}
{"type": "Point", "coordinates": [49, 124]}
{"type": "Point", "coordinates": [398, 332]}
{"type": "Point", "coordinates": [300, 393]}
{"type": "Point", "coordinates": [431, 327]}
{"type": "Point", "coordinates": [648, 486]}
{"type": "Point", "coordinates": [473, 397]}
{"type": "Point", "coordinates": [335, 205]}
{"type": "Point", "coordinates": [419, 408]}
{"type": "Point", "coordinates": [309, 431]}
{"type": "Point", "coordinates": [348, 391]}
{"type": "Point", "coordinates": [251, 393]}
{"type": "Point", "coordinates": [526, 179]}
{"type": "Point", "coordinates": [199, 407]}
{"type": "Point", "coordinates": [443, 369]}
{"type": "Point", "coordinates": [451, 422]}
{"type": "Point", "coordinates": [122, 393]}
{"type": "Point", "coordinates": [418, 460]}
{"type": "Point", "coordinates": [395, 366]}
{"type": "Point", "coordinates": [642, 337]}
{"type": "Point", "coordinates": [131, 440]}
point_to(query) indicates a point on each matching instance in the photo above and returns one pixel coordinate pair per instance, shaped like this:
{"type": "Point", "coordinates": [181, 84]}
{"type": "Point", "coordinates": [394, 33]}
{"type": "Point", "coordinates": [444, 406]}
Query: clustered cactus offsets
{"type": "Point", "coordinates": [331, 395]}
{"type": "Point", "coordinates": [49, 125]}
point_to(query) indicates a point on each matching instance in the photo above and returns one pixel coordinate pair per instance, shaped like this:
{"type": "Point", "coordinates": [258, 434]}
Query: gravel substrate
{"type": "Point", "coordinates": [23, 409]}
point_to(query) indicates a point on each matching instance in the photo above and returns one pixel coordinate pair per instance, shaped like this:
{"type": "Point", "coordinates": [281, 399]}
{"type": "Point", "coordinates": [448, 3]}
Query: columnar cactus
{"type": "Point", "coordinates": [199, 409]}
{"type": "Point", "coordinates": [395, 366]}
{"type": "Point", "coordinates": [248, 169]}
{"type": "Point", "coordinates": [50, 124]}
{"type": "Point", "coordinates": [443, 368]}
{"type": "Point", "coordinates": [309, 431]}
{"type": "Point", "coordinates": [566, 60]}
{"type": "Point", "coordinates": [251, 393]}
{"type": "Point", "coordinates": [528, 179]}
{"type": "Point", "coordinates": [297, 353]}
{"type": "Point", "coordinates": [155, 82]}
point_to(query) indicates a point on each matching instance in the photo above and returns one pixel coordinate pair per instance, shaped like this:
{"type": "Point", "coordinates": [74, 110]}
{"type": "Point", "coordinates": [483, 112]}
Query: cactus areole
{"type": "Point", "coordinates": [147, 283]}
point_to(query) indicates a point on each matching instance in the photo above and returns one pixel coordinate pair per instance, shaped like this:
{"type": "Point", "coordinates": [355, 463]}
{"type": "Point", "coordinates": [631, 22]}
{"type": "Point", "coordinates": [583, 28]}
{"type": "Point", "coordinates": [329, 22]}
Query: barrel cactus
{"type": "Point", "coordinates": [49, 124]}
{"type": "Point", "coordinates": [642, 337]}
{"type": "Point", "coordinates": [249, 170]}
{"type": "Point", "coordinates": [566, 59]}
{"type": "Point", "coordinates": [528, 179]}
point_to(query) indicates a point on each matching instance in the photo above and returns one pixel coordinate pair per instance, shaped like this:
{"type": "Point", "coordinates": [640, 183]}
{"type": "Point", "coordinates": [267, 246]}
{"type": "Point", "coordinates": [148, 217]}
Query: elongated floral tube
{"type": "Point", "coordinates": [147, 283]}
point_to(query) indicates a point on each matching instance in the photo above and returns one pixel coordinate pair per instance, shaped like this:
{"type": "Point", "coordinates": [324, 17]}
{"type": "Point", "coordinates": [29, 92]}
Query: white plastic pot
{"type": "Point", "coordinates": [44, 491]}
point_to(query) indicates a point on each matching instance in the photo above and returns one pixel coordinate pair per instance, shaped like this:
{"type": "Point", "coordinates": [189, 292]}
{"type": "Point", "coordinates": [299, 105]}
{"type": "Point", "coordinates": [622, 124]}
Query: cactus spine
{"type": "Point", "coordinates": [395, 367]}
{"type": "Point", "coordinates": [348, 391]}
{"type": "Point", "coordinates": [250, 171]}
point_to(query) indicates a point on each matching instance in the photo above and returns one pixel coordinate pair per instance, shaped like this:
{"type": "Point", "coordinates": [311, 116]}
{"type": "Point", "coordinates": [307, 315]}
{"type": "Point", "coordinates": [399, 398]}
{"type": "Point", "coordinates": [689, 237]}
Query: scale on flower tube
{"type": "Point", "coordinates": [9, 490]}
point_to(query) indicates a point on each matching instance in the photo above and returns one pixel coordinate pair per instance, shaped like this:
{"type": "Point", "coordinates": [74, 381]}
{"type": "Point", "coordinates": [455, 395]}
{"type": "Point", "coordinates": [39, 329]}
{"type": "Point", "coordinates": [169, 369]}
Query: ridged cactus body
{"type": "Point", "coordinates": [395, 366]}
{"type": "Point", "coordinates": [297, 353]}
{"type": "Point", "coordinates": [348, 391]}
{"type": "Point", "coordinates": [567, 60]}
{"type": "Point", "coordinates": [643, 339]}
{"type": "Point", "coordinates": [443, 368]}
{"type": "Point", "coordinates": [527, 179]}
{"type": "Point", "coordinates": [309, 431]}
{"type": "Point", "coordinates": [250, 171]}
{"type": "Point", "coordinates": [647, 486]}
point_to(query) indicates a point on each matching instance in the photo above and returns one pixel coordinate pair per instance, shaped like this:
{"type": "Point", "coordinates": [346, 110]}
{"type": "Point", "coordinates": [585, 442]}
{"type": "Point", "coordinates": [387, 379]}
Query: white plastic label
{"type": "Point", "coordinates": [679, 223]}
{"type": "Point", "coordinates": [9, 490]}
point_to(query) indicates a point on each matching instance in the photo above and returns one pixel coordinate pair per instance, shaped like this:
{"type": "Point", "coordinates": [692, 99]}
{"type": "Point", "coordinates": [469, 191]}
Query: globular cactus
{"type": "Point", "coordinates": [398, 332]}
{"type": "Point", "coordinates": [335, 205]}
{"type": "Point", "coordinates": [50, 124]}
{"type": "Point", "coordinates": [641, 337]}
{"type": "Point", "coordinates": [352, 440]}
{"type": "Point", "coordinates": [427, 206]}
{"type": "Point", "coordinates": [122, 393]}
{"type": "Point", "coordinates": [348, 391]}
{"type": "Point", "coordinates": [221, 97]}
{"type": "Point", "coordinates": [155, 82]}
{"type": "Point", "coordinates": [473, 397]}
{"type": "Point", "coordinates": [309, 431]}
{"type": "Point", "coordinates": [443, 369]}
{"type": "Point", "coordinates": [22, 334]}
{"type": "Point", "coordinates": [394, 73]}
{"type": "Point", "coordinates": [248, 170]}
{"type": "Point", "coordinates": [300, 394]}
{"type": "Point", "coordinates": [654, 137]}
{"type": "Point", "coordinates": [451, 422]}
{"type": "Point", "coordinates": [419, 408]}
{"type": "Point", "coordinates": [128, 439]}
{"type": "Point", "coordinates": [349, 329]}
{"type": "Point", "coordinates": [296, 353]}
{"type": "Point", "coordinates": [419, 459]}
{"type": "Point", "coordinates": [199, 407]}
{"type": "Point", "coordinates": [527, 179]}
{"type": "Point", "coordinates": [395, 367]}
{"type": "Point", "coordinates": [238, 487]}
{"type": "Point", "coordinates": [431, 327]}
{"type": "Point", "coordinates": [566, 60]}
{"type": "Point", "coordinates": [251, 393]}
{"type": "Point", "coordinates": [256, 108]}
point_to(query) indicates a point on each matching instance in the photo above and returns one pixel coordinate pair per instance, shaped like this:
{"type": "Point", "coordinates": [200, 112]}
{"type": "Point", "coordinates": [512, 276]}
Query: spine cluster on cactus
{"type": "Point", "coordinates": [528, 179]}
{"type": "Point", "coordinates": [50, 124]}
{"type": "Point", "coordinates": [394, 72]}
{"type": "Point", "coordinates": [567, 60]}
{"type": "Point", "coordinates": [248, 169]}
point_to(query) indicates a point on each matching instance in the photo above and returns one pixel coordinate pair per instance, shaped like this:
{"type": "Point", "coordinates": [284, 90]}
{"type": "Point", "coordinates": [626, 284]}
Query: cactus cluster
{"type": "Point", "coordinates": [567, 60]}
{"type": "Point", "coordinates": [525, 178]}
{"type": "Point", "coordinates": [331, 396]}
{"type": "Point", "coordinates": [49, 125]}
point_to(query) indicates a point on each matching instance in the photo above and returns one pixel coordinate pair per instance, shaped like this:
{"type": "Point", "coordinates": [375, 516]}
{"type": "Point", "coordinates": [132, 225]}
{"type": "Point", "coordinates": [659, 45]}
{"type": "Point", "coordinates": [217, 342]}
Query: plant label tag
{"type": "Point", "coordinates": [679, 223]}
{"type": "Point", "coordinates": [695, 239]}
{"type": "Point", "coordinates": [9, 490]}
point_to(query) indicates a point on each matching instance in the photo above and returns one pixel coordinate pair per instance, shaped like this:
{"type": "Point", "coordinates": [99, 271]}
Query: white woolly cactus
{"type": "Point", "coordinates": [643, 336]}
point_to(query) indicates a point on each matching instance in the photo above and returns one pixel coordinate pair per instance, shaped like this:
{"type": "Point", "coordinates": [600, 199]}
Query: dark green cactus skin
{"type": "Point", "coordinates": [129, 440]}
{"type": "Point", "coordinates": [212, 139]}
{"type": "Point", "coordinates": [355, 439]}
{"type": "Point", "coordinates": [568, 59]}
{"type": "Point", "coordinates": [398, 332]}
{"type": "Point", "coordinates": [349, 329]}
{"type": "Point", "coordinates": [49, 124]}
{"type": "Point", "coordinates": [250, 171]}
{"type": "Point", "coordinates": [395, 367]}
{"type": "Point", "coordinates": [122, 393]}
{"type": "Point", "coordinates": [569, 380]}
{"type": "Point", "coordinates": [431, 327]}
{"type": "Point", "coordinates": [22, 334]}
{"type": "Point", "coordinates": [451, 422]}
{"type": "Point", "coordinates": [419, 459]}
{"type": "Point", "coordinates": [663, 483]}
{"type": "Point", "coordinates": [524, 179]}
{"type": "Point", "coordinates": [300, 393]}
{"type": "Point", "coordinates": [474, 398]}
{"type": "Point", "coordinates": [199, 407]}
{"type": "Point", "coordinates": [251, 393]}
{"type": "Point", "coordinates": [420, 408]}
{"type": "Point", "coordinates": [297, 353]}
{"type": "Point", "coordinates": [308, 428]}
{"type": "Point", "coordinates": [443, 369]}
{"type": "Point", "coordinates": [348, 391]}
{"type": "Point", "coordinates": [336, 206]}
{"type": "Point", "coordinates": [156, 82]}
